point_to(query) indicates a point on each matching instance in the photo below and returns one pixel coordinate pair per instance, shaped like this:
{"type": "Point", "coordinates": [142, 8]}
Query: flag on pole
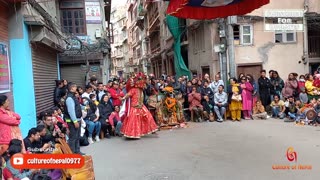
{"type": "Point", "coordinates": [211, 9]}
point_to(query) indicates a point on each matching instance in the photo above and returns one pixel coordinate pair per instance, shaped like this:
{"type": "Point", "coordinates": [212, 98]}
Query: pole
{"type": "Point", "coordinates": [223, 56]}
{"type": "Point", "coordinates": [230, 41]}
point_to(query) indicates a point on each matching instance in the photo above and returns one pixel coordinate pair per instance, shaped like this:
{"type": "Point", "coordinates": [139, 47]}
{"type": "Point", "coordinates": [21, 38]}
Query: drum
{"type": "Point", "coordinates": [311, 114]}
{"type": "Point", "coordinates": [152, 101]}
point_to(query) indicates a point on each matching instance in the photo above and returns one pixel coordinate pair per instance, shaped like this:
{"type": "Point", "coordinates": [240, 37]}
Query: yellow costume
{"type": "Point", "coordinates": [310, 88]}
{"type": "Point", "coordinates": [235, 107]}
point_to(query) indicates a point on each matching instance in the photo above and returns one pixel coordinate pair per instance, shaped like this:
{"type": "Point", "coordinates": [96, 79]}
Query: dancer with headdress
{"type": "Point", "coordinates": [138, 120]}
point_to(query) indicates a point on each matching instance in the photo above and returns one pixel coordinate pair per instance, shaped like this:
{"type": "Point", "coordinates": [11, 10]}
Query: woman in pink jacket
{"type": "Point", "coordinates": [9, 122]}
{"type": "Point", "coordinates": [246, 94]}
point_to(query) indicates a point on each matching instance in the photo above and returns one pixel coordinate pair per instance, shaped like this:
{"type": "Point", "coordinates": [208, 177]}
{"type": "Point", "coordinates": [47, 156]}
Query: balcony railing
{"type": "Point", "coordinates": [155, 47]}
{"type": "Point", "coordinates": [153, 14]}
{"type": "Point", "coordinates": [314, 46]}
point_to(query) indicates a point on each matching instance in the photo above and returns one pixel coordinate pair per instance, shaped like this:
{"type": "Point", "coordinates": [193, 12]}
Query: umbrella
{"type": "Point", "coordinates": [211, 9]}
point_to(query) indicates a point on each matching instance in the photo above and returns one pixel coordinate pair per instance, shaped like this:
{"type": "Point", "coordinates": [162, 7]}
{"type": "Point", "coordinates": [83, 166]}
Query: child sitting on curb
{"type": "Point", "coordinates": [259, 111]}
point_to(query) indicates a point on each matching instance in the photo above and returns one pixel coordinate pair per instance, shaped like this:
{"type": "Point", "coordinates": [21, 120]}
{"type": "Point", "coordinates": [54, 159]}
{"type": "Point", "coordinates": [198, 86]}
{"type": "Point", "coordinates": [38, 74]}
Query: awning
{"type": "Point", "coordinates": [211, 9]}
{"type": "Point", "coordinates": [48, 38]}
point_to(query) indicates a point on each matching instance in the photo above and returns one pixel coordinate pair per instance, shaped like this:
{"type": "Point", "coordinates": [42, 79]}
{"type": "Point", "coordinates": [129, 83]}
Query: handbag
{"type": "Point", "coordinates": [236, 97]}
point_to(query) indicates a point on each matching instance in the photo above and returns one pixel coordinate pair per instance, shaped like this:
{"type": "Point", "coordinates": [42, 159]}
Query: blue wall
{"type": "Point", "coordinates": [22, 77]}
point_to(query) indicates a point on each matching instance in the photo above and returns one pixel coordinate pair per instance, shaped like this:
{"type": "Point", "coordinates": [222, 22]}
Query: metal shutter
{"type": "Point", "coordinates": [73, 73]}
{"type": "Point", "coordinates": [4, 22]}
{"type": "Point", "coordinates": [45, 72]}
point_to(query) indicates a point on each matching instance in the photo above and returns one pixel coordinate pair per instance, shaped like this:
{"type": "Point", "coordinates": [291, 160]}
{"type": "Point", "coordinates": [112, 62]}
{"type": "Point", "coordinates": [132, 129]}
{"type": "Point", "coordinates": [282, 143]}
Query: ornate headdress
{"type": "Point", "coordinates": [140, 80]}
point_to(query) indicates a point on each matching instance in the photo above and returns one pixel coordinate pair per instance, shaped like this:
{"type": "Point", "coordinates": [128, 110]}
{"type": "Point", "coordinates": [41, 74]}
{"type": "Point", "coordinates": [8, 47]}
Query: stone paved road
{"type": "Point", "coordinates": [206, 151]}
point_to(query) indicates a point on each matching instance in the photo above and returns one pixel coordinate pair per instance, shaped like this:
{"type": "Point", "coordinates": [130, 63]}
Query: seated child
{"type": "Point", "coordinates": [259, 111]}
{"type": "Point", "coordinates": [93, 99]}
{"type": "Point", "coordinates": [303, 96]}
{"type": "Point", "coordinates": [278, 107]}
{"type": "Point", "coordinates": [291, 109]}
{"type": "Point", "coordinates": [208, 108]}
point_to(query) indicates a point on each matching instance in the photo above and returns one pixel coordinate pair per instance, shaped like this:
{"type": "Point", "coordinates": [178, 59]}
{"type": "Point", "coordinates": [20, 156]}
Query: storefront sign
{"type": "Point", "coordinates": [84, 39]}
{"type": "Point", "coordinates": [4, 68]}
{"type": "Point", "coordinates": [93, 12]}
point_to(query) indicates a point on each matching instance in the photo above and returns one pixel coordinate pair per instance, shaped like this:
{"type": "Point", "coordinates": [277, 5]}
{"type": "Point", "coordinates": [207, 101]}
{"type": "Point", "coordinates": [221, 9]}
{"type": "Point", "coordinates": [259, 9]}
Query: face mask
{"type": "Point", "coordinates": [302, 80]}
{"type": "Point", "coordinates": [4, 165]}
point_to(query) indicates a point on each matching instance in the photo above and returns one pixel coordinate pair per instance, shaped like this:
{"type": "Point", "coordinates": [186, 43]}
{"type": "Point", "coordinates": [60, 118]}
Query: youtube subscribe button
{"type": "Point", "coordinates": [47, 161]}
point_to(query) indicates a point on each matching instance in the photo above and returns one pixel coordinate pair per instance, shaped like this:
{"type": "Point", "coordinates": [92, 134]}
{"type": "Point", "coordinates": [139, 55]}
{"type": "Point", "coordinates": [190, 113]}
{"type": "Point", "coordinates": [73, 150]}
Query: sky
{"type": "Point", "coordinates": [115, 3]}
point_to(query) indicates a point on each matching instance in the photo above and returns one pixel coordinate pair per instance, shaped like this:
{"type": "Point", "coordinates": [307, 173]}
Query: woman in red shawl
{"type": "Point", "coordinates": [138, 121]}
{"type": "Point", "coordinates": [9, 125]}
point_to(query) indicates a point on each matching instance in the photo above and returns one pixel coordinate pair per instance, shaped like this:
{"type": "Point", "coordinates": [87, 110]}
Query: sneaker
{"type": "Point", "coordinates": [97, 139]}
{"type": "Point", "coordinates": [90, 140]}
{"type": "Point", "coordinates": [268, 117]}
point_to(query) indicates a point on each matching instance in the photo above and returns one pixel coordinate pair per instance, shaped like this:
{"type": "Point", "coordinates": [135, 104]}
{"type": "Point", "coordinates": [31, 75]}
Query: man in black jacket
{"type": "Point", "coordinates": [264, 89]}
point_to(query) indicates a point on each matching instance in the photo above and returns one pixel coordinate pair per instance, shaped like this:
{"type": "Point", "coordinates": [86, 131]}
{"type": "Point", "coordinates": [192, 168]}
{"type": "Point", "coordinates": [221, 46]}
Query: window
{"type": "Point", "coordinates": [285, 37]}
{"type": "Point", "coordinates": [243, 34]}
{"type": "Point", "coordinates": [73, 17]}
{"type": "Point", "coordinates": [198, 39]}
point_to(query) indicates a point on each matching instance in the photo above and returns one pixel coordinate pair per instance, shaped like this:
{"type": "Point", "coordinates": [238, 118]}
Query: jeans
{"type": "Point", "coordinates": [74, 137]}
{"type": "Point", "coordinates": [118, 126]}
{"type": "Point", "coordinates": [276, 111]}
{"type": "Point", "coordinates": [292, 115]}
{"type": "Point", "coordinates": [299, 117]}
{"type": "Point", "coordinates": [93, 126]}
{"type": "Point", "coordinates": [219, 111]}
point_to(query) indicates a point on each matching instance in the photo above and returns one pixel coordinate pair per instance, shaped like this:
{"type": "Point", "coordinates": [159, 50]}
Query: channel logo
{"type": "Point", "coordinates": [47, 161]}
{"type": "Point", "coordinates": [17, 160]}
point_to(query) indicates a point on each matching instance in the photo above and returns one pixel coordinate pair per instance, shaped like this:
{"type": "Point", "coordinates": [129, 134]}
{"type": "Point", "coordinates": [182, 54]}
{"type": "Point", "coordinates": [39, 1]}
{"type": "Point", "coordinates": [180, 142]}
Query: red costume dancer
{"type": "Point", "coordinates": [138, 121]}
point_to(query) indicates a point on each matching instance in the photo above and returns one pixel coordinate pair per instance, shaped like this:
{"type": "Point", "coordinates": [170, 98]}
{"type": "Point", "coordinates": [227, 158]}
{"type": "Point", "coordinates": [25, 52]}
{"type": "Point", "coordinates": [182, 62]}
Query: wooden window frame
{"type": "Point", "coordinates": [73, 19]}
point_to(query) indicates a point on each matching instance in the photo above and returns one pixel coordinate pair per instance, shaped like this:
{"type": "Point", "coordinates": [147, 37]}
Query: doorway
{"type": "Point", "coordinates": [313, 67]}
{"type": "Point", "coordinates": [205, 70]}
{"type": "Point", "coordinates": [254, 70]}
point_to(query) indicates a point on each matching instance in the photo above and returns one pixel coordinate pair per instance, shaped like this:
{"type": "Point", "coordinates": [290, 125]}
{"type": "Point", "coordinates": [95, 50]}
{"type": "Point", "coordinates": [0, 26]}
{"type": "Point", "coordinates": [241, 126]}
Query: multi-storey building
{"type": "Point", "coordinates": [87, 22]}
{"type": "Point", "coordinates": [256, 49]}
{"type": "Point", "coordinates": [119, 46]}
{"type": "Point", "coordinates": [135, 34]}
{"type": "Point", "coordinates": [33, 34]}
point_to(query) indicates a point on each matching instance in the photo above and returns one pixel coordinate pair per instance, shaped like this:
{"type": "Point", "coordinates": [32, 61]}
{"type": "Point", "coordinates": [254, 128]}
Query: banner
{"type": "Point", "coordinates": [93, 12]}
{"type": "Point", "coordinates": [211, 9]}
{"type": "Point", "coordinates": [4, 68]}
{"type": "Point", "coordinates": [179, 65]}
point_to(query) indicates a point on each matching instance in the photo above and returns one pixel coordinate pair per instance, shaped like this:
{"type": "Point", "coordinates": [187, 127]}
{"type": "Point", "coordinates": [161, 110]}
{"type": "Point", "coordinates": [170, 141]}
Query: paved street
{"type": "Point", "coordinates": [206, 151]}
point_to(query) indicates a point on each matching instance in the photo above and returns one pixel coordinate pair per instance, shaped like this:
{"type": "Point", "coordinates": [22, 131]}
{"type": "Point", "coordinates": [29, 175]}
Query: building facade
{"type": "Point", "coordinates": [119, 46]}
{"type": "Point", "coordinates": [33, 36]}
{"type": "Point", "coordinates": [87, 24]}
{"type": "Point", "coordinates": [256, 49]}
